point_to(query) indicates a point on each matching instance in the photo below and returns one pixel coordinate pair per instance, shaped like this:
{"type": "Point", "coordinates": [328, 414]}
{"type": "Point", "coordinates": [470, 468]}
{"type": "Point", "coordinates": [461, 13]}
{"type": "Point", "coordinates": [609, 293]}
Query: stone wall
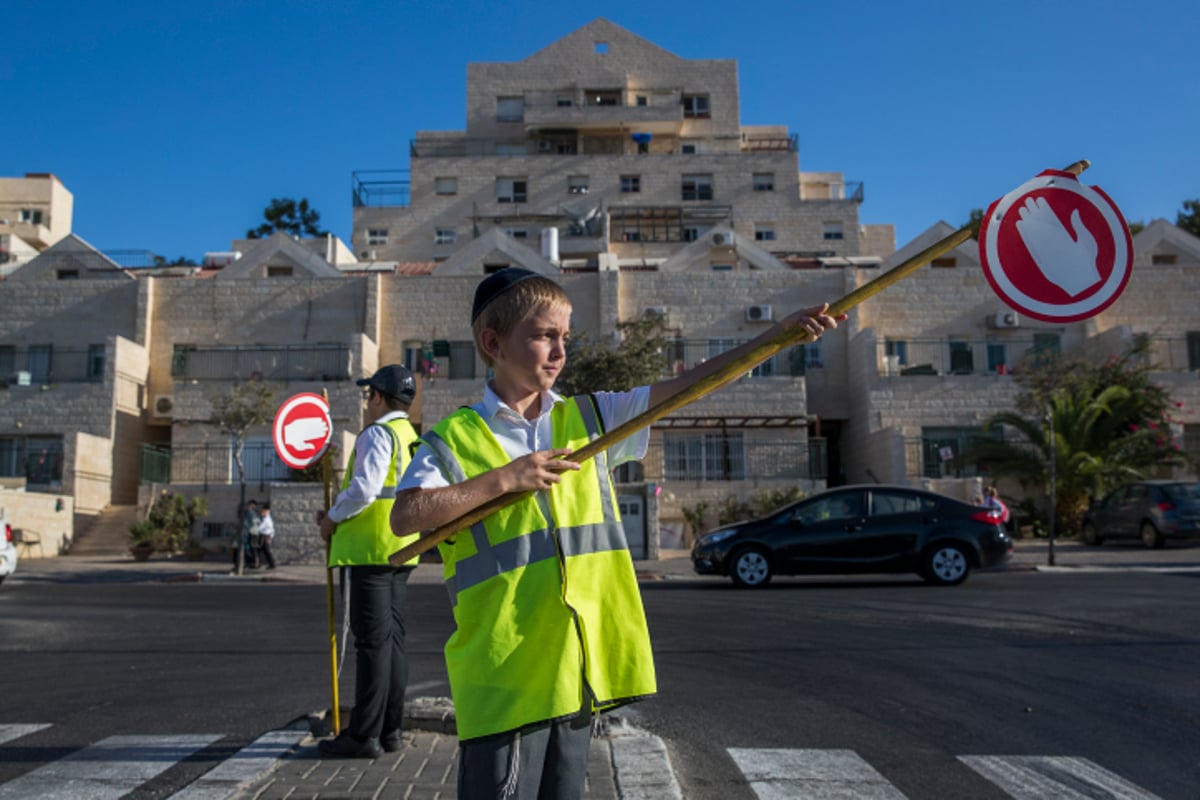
{"type": "Point", "coordinates": [50, 515]}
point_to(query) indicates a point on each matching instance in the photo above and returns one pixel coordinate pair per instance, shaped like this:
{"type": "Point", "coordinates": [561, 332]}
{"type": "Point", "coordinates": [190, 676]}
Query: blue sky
{"type": "Point", "coordinates": [174, 123]}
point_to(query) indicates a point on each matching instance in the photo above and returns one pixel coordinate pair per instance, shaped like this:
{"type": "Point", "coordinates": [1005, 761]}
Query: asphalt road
{"type": "Point", "coordinates": [908, 678]}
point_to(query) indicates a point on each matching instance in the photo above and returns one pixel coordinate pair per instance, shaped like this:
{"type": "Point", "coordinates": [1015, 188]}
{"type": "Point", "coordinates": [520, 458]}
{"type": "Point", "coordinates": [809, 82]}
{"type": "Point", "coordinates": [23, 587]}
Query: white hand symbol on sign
{"type": "Point", "coordinates": [1066, 258]}
{"type": "Point", "coordinates": [299, 433]}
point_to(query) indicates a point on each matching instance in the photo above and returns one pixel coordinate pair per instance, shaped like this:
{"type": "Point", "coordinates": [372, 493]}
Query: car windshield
{"type": "Point", "coordinates": [1182, 491]}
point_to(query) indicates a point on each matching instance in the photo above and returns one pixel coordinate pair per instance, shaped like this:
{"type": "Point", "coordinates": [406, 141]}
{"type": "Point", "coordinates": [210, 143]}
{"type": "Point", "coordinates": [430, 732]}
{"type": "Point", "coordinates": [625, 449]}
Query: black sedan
{"type": "Point", "coordinates": [856, 529]}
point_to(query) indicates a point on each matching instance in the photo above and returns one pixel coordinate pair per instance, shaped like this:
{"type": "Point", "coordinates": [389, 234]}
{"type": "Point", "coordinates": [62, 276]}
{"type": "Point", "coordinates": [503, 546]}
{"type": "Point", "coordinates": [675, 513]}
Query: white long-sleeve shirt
{"type": "Point", "coordinates": [266, 526]}
{"type": "Point", "coordinates": [372, 459]}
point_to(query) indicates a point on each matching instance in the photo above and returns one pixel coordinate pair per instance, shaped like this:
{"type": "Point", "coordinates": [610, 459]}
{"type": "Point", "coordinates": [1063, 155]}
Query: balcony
{"type": "Point", "coordinates": [378, 188]}
{"type": "Point", "coordinates": [945, 356]}
{"type": "Point", "coordinates": [731, 456]}
{"type": "Point", "coordinates": [38, 365]}
{"type": "Point", "coordinates": [657, 111]}
{"type": "Point", "coordinates": [269, 363]}
{"type": "Point", "coordinates": [757, 143]}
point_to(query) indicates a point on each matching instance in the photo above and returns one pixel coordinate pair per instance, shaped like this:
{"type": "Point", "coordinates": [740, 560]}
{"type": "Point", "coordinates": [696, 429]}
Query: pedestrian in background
{"type": "Point", "coordinates": [360, 540]}
{"type": "Point", "coordinates": [248, 531]}
{"type": "Point", "coordinates": [266, 535]}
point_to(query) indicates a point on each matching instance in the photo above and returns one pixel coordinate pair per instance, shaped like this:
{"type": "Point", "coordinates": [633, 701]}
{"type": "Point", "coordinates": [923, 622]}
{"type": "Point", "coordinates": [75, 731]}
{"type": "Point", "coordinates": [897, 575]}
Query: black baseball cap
{"type": "Point", "coordinates": [497, 284]}
{"type": "Point", "coordinates": [392, 380]}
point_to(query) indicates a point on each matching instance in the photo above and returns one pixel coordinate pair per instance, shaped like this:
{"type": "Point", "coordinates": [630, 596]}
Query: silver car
{"type": "Point", "coordinates": [1153, 511]}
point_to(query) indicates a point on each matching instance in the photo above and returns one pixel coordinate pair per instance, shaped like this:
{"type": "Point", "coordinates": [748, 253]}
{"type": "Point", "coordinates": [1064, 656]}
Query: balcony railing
{"type": "Point", "coordinates": [209, 464]}
{"type": "Point", "coordinates": [683, 354]}
{"type": "Point", "coordinates": [945, 356]}
{"type": "Point", "coordinates": [282, 363]}
{"type": "Point", "coordinates": [378, 188]}
{"type": "Point", "coordinates": [37, 365]}
{"type": "Point", "coordinates": [789, 143]}
{"type": "Point", "coordinates": [714, 457]}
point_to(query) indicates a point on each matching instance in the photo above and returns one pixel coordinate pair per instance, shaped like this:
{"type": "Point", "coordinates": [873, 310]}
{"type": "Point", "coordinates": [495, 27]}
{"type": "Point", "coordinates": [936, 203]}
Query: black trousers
{"type": "Point", "coordinates": [377, 605]}
{"type": "Point", "coordinates": [546, 761]}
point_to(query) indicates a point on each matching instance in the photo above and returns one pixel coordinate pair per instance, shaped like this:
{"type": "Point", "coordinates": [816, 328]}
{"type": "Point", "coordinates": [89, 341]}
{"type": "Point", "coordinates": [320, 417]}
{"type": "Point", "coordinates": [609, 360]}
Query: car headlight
{"type": "Point", "coordinates": [719, 536]}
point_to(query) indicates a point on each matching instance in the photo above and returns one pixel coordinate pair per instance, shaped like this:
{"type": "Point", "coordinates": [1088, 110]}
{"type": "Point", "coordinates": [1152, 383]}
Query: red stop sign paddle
{"type": "Point", "coordinates": [303, 429]}
{"type": "Point", "coordinates": [1056, 250]}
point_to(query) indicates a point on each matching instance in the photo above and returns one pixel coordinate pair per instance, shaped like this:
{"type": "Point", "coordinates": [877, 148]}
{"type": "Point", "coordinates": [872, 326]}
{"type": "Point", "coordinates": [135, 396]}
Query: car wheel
{"type": "Point", "coordinates": [946, 564]}
{"type": "Point", "coordinates": [751, 568]}
{"type": "Point", "coordinates": [1150, 535]}
{"type": "Point", "coordinates": [1090, 536]}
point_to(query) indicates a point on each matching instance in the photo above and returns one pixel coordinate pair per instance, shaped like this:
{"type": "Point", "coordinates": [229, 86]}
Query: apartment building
{"type": "Point", "coordinates": [113, 371]}
{"type": "Point", "coordinates": [35, 212]}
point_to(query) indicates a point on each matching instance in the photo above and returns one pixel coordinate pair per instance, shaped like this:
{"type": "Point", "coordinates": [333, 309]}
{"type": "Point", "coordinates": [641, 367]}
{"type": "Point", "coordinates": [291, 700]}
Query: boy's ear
{"type": "Point", "coordinates": [489, 340]}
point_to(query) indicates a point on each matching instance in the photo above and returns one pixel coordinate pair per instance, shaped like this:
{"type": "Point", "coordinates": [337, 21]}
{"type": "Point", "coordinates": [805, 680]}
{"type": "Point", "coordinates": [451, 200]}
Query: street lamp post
{"type": "Point", "coordinates": [1053, 481]}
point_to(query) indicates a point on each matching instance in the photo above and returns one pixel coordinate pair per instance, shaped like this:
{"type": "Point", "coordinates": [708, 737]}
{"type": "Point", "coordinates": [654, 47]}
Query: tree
{"type": "Point", "coordinates": [974, 218]}
{"type": "Point", "coordinates": [235, 413]}
{"type": "Point", "coordinates": [285, 214]}
{"type": "Point", "coordinates": [1111, 424]}
{"type": "Point", "coordinates": [637, 360]}
{"type": "Point", "coordinates": [1189, 217]}
{"type": "Point", "coordinates": [182, 261]}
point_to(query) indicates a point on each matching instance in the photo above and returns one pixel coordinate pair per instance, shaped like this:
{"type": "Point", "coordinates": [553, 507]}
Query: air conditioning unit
{"type": "Point", "coordinates": [1005, 319]}
{"type": "Point", "coordinates": [654, 312]}
{"type": "Point", "coordinates": [164, 406]}
{"type": "Point", "coordinates": [721, 239]}
{"type": "Point", "coordinates": [758, 314]}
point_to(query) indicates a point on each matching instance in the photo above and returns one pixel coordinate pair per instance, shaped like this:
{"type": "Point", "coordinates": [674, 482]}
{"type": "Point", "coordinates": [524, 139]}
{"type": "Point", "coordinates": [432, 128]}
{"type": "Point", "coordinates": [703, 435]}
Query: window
{"type": "Point", "coordinates": [95, 362]}
{"type": "Point", "coordinates": [943, 450]}
{"type": "Point", "coordinates": [67, 274]}
{"type": "Point", "coordinates": [445, 236]}
{"type": "Point", "coordinates": [8, 362]}
{"type": "Point", "coordinates": [690, 146]}
{"type": "Point", "coordinates": [462, 359]}
{"type": "Point", "coordinates": [279, 272]}
{"type": "Point", "coordinates": [703, 457]}
{"type": "Point", "coordinates": [884, 503]}
{"type": "Point", "coordinates": [1165, 259]}
{"type": "Point", "coordinates": [601, 48]}
{"type": "Point", "coordinates": [631, 183]}
{"type": "Point", "coordinates": [1193, 350]}
{"type": "Point", "coordinates": [38, 362]}
{"type": "Point", "coordinates": [577, 184]}
{"type": "Point", "coordinates": [945, 261]}
{"type": "Point", "coordinates": [641, 100]}
{"type": "Point", "coordinates": [695, 106]}
{"type": "Point", "coordinates": [564, 102]}
{"type": "Point", "coordinates": [1045, 347]}
{"type": "Point", "coordinates": [12, 457]}
{"type": "Point", "coordinates": [997, 358]}
{"type": "Point", "coordinates": [804, 357]}
{"type": "Point", "coordinates": [962, 358]}
{"type": "Point", "coordinates": [897, 348]}
{"type": "Point", "coordinates": [377, 236]}
{"type": "Point", "coordinates": [32, 216]}
{"type": "Point", "coordinates": [517, 233]}
{"type": "Point", "coordinates": [832, 231]}
{"type": "Point", "coordinates": [691, 233]}
{"type": "Point", "coordinates": [447, 185]}
{"type": "Point", "coordinates": [43, 461]}
{"type": "Point", "coordinates": [603, 97]}
{"type": "Point", "coordinates": [697, 187]}
{"type": "Point", "coordinates": [764, 233]}
{"type": "Point", "coordinates": [631, 235]}
{"type": "Point", "coordinates": [510, 109]}
{"type": "Point", "coordinates": [511, 149]}
{"type": "Point", "coordinates": [510, 190]}
{"type": "Point", "coordinates": [764, 182]}
{"type": "Point", "coordinates": [722, 267]}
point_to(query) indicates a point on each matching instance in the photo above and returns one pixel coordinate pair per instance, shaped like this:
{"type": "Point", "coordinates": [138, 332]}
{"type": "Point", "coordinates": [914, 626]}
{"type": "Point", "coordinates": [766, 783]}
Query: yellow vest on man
{"type": "Point", "coordinates": [549, 617]}
{"type": "Point", "coordinates": [366, 538]}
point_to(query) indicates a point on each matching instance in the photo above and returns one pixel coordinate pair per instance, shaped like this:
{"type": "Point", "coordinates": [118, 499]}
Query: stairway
{"type": "Point", "coordinates": [108, 535]}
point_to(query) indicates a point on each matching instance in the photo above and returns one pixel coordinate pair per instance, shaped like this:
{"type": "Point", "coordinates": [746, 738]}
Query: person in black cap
{"type": "Point", "coordinates": [549, 622]}
{"type": "Point", "coordinates": [360, 540]}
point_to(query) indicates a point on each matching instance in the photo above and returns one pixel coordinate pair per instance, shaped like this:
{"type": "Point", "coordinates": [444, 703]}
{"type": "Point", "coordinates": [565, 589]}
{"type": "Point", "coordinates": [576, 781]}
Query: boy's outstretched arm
{"type": "Point", "coordinates": [428, 509]}
{"type": "Point", "coordinates": [814, 320]}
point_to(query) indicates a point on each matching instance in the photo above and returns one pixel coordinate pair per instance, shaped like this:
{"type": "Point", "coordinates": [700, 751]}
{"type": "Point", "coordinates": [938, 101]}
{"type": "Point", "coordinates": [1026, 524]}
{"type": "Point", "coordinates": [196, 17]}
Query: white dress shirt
{"type": "Point", "coordinates": [372, 459]}
{"type": "Point", "coordinates": [519, 436]}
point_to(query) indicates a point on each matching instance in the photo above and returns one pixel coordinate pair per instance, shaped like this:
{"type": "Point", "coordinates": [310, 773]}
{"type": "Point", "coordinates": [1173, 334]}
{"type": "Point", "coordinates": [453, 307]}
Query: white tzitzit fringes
{"type": "Point", "coordinates": [514, 765]}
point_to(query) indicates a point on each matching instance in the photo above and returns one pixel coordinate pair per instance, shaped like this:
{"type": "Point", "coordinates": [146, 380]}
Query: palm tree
{"type": "Point", "coordinates": [1098, 443]}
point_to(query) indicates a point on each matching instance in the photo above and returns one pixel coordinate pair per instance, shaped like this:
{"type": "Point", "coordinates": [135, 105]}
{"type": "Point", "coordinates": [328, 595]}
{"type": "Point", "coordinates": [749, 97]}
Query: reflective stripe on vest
{"type": "Point", "coordinates": [547, 610]}
{"type": "Point", "coordinates": [366, 538]}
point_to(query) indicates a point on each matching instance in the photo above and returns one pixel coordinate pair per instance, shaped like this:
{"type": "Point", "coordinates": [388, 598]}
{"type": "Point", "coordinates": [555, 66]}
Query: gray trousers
{"type": "Point", "coordinates": [547, 761]}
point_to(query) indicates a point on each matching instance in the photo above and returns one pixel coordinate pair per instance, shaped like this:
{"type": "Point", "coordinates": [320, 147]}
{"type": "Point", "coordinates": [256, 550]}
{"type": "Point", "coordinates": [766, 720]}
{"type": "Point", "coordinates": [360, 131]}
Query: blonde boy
{"type": "Point", "coordinates": [550, 626]}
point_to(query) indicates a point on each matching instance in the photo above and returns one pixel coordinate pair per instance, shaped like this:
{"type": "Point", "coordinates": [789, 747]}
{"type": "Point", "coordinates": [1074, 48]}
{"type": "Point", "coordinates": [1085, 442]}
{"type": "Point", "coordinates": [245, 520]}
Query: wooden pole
{"type": "Point", "coordinates": [333, 670]}
{"type": "Point", "coordinates": [708, 384]}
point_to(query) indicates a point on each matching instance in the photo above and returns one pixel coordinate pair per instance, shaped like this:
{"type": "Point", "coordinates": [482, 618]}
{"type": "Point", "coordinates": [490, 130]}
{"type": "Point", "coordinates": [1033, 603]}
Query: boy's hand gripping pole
{"type": "Point", "coordinates": [710, 383]}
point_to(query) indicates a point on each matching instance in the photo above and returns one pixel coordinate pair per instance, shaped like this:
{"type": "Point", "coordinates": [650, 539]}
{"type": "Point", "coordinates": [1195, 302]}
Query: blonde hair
{"type": "Point", "coordinates": [514, 306]}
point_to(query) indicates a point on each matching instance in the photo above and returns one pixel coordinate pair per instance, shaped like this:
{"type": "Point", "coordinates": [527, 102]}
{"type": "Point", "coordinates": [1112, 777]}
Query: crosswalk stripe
{"type": "Point", "coordinates": [812, 775]}
{"type": "Point", "coordinates": [107, 770]}
{"type": "Point", "coordinates": [10, 732]}
{"type": "Point", "coordinates": [224, 780]}
{"type": "Point", "coordinates": [1054, 778]}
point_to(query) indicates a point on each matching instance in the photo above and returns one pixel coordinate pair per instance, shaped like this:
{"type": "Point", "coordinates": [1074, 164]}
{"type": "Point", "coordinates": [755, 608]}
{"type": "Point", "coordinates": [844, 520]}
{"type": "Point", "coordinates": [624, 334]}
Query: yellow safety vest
{"type": "Point", "coordinates": [367, 538]}
{"type": "Point", "coordinates": [548, 613]}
